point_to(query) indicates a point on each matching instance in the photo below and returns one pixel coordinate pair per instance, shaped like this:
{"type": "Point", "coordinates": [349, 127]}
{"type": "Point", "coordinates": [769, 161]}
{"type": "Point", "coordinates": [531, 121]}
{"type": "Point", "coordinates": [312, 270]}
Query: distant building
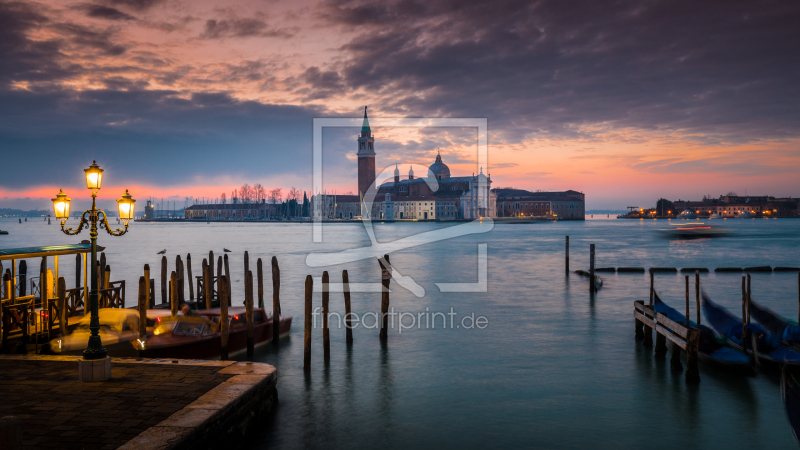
{"type": "Point", "coordinates": [734, 205]}
{"type": "Point", "coordinates": [566, 205]}
{"type": "Point", "coordinates": [149, 210]}
{"type": "Point", "coordinates": [228, 211]}
{"type": "Point", "coordinates": [410, 198]}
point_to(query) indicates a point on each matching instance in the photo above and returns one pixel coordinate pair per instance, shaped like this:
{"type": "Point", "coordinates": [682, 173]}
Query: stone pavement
{"type": "Point", "coordinates": [58, 411]}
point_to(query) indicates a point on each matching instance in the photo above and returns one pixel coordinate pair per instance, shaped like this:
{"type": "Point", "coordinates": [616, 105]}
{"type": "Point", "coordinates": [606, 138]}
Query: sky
{"type": "Point", "coordinates": [626, 101]}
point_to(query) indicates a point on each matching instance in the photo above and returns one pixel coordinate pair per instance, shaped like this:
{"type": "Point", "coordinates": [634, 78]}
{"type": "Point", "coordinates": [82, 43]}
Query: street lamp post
{"type": "Point", "coordinates": [94, 218]}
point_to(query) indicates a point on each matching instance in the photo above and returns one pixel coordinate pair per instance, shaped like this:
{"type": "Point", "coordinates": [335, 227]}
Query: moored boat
{"type": "Point", "coordinates": [712, 348]}
{"type": "Point", "coordinates": [787, 330]}
{"type": "Point", "coordinates": [694, 230]}
{"type": "Point", "coordinates": [198, 336]}
{"type": "Point", "coordinates": [769, 349]}
{"type": "Point", "coordinates": [790, 392]}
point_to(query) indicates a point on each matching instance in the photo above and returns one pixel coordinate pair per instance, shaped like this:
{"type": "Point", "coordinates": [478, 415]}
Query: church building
{"type": "Point", "coordinates": [411, 197]}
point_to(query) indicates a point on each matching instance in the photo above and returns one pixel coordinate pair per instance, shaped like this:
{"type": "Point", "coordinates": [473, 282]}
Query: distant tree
{"type": "Point", "coordinates": [664, 206]}
{"type": "Point", "coordinates": [275, 197]}
{"type": "Point", "coordinates": [223, 198]}
{"type": "Point", "coordinates": [732, 194]}
{"type": "Point", "coordinates": [294, 196]}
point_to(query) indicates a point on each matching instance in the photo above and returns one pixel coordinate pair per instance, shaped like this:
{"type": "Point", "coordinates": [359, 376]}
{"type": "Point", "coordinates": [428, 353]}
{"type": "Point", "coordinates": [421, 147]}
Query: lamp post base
{"type": "Point", "coordinates": [94, 369]}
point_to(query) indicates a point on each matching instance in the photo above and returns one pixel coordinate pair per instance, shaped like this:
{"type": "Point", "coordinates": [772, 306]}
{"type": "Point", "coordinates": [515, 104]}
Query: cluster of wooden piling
{"type": "Point", "coordinates": [209, 289]}
{"type": "Point", "coordinates": [386, 277]}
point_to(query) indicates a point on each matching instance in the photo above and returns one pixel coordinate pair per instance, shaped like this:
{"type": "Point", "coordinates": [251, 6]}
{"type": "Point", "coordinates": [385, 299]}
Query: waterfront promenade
{"type": "Point", "coordinates": [147, 404]}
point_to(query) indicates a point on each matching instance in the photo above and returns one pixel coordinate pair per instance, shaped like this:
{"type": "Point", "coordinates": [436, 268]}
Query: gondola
{"type": "Point", "coordinates": [790, 392]}
{"type": "Point", "coordinates": [770, 351]}
{"type": "Point", "coordinates": [711, 349]}
{"type": "Point", "coordinates": [787, 330]}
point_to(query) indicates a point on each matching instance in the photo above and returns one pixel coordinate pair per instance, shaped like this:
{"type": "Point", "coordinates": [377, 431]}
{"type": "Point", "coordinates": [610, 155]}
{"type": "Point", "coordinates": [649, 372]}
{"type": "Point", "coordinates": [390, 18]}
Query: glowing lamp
{"type": "Point", "coordinates": [94, 176]}
{"type": "Point", "coordinates": [126, 205]}
{"type": "Point", "coordinates": [61, 205]}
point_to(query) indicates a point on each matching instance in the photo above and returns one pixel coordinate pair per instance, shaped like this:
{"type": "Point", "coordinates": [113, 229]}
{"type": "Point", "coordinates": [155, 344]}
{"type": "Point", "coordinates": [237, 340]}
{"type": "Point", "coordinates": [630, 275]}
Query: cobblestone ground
{"type": "Point", "coordinates": [58, 411]}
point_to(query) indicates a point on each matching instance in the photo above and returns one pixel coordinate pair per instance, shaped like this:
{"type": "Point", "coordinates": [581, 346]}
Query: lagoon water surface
{"type": "Point", "coordinates": [553, 368]}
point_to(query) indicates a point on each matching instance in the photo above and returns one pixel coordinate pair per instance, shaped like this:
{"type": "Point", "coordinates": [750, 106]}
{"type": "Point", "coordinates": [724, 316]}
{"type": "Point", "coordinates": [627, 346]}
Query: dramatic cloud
{"type": "Point", "coordinates": [216, 29]}
{"type": "Point", "coordinates": [104, 12]}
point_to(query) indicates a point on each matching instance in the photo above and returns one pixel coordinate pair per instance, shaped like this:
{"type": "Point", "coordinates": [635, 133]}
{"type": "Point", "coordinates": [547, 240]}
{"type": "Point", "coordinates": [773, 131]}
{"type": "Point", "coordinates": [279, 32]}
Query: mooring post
{"type": "Point", "coordinates": [179, 285]}
{"type": "Point", "coordinates": [386, 278]}
{"type": "Point", "coordinates": [224, 325]}
{"type": "Point", "coordinates": [307, 335]}
{"type": "Point", "coordinates": [692, 348]}
{"type": "Point", "coordinates": [189, 276]}
{"type": "Point", "coordinates": [208, 289]}
{"type": "Point", "coordinates": [248, 305]}
{"type": "Point", "coordinates": [276, 301]}
{"type": "Point", "coordinates": [566, 255]}
{"type": "Point", "coordinates": [227, 277]}
{"type": "Point", "coordinates": [211, 261]}
{"type": "Point", "coordinates": [23, 276]}
{"type": "Point", "coordinates": [348, 326]}
{"type": "Point", "coordinates": [163, 279]}
{"type": "Point", "coordinates": [173, 293]}
{"type": "Point", "coordinates": [591, 268]}
{"type": "Point", "coordinates": [648, 332]}
{"type": "Point", "coordinates": [150, 301]}
{"type": "Point", "coordinates": [260, 275]}
{"type": "Point", "coordinates": [107, 277]}
{"type": "Point", "coordinates": [78, 266]}
{"type": "Point", "coordinates": [219, 274]}
{"type": "Point", "coordinates": [744, 314]}
{"type": "Point", "coordinates": [142, 308]}
{"type": "Point", "coordinates": [749, 298]}
{"type": "Point", "coordinates": [697, 294]}
{"type": "Point", "coordinates": [687, 302]}
{"type": "Point", "coordinates": [62, 303]}
{"type": "Point", "coordinates": [246, 262]}
{"type": "Point", "coordinates": [326, 333]}
{"type": "Point", "coordinates": [203, 281]}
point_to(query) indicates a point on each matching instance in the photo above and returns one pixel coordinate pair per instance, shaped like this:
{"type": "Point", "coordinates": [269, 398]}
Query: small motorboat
{"type": "Point", "coordinates": [790, 392]}
{"type": "Point", "coordinates": [712, 348]}
{"type": "Point", "coordinates": [714, 216]}
{"type": "Point", "coordinates": [687, 214]}
{"type": "Point", "coordinates": [769, 350]}
{"type": "Point", "coordinates": [3, 232]}
{"type": "Point", "coordinates": [787, 330]}
{"type": "Point", "coordinates": [694, 230]}
{"type": "Point", "coordinates": [198, 337]}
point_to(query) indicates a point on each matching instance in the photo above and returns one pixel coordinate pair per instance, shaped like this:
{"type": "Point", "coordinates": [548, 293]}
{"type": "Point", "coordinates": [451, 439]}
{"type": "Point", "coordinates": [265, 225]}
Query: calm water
{"type": "Point", "coordinates": [552, 369]}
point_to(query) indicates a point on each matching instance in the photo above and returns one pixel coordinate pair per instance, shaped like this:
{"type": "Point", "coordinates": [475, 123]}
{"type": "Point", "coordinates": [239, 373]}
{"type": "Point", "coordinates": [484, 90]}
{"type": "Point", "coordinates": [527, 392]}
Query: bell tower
{"type": "Point", "coordinates": [366, 157]}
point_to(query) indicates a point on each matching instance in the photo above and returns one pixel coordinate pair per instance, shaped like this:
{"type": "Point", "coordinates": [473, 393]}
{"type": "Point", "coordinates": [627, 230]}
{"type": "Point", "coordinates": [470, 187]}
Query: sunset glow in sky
{"type": "Point", "coordinates": [626, 101]}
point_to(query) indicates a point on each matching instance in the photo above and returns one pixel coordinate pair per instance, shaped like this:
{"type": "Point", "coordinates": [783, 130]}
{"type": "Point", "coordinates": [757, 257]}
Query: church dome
{"type": "Point", "coordinates": [440, 169]}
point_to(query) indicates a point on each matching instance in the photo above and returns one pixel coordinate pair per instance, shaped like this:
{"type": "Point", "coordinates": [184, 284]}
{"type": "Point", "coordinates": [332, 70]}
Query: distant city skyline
{"type": "Point", "coordinates": [628, 102]}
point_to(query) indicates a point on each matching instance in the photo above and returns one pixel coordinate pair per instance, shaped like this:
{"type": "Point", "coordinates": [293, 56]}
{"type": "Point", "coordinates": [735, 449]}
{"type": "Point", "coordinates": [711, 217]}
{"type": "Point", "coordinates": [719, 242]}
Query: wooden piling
{"type": "Point", "coordinates": [224, 326]}
{"type": "Point", "coordinates": [78, 267]}
{"type": "Point", "coordinates": [142, 307]}
{"type": "Point", "coordinates": [307, 334]}
{"type": "Point", "coordinates": [648, 332]}
{"type": "Point", "coordinates": [173, 293]}
{"type": "Point", "coordinates": [675, 360]}
{"type": "Point", "coordinates": [189, 276]}
{"type": "Point", "coordinates": [591, 268]}
{"type": "Point", "coordinates": [326, 334]}
{"type": "Point", "coordinates": [248, 305]}
{"type": "Point", "coordinates": [163, 279]}
{"type": "Point", "coordinates": [697, 294]}
{"type": "Point", "coordinates": [181, 277]}
{"type": "Point", "coordinates": [107, 277]}
{"type": "Point", "coordinates": [219, 269]}
{"type": "Point", "coordinates": [227, 277]}
{"type": "Point", "coordinates": [61, 295]}
{"type": "Point", "coordinates": [348, 326]}
{"type": "Point", "coordinates": [208, 285]}
{"type": "Point", "coordinates": [260, 276]}
{"type": "Point", "coordinates": [211, 261]}
{"type": "Point", "coordinates": [103, 264]}
{"type": "Point", "coordinates": [276, 301]}
{"type": "Point", "coordinates": [744, 314]}
{"type": "Point", "coordinates": [246, 262]}
{"type": "Point", "coordinates": [692, 349]}
{"type": "Point", "coordinates": [23, 277]}
{"type": "Point", "coordinates": [386, 278]}
{"type": "Point", "coordinates": [749, 298]}
{"type": "Point", "coordinates": [566, 255]}
{"type": "Point", "coordinates": [686, 317]}
{"type": "Point", "coordinates": [150, 300]}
